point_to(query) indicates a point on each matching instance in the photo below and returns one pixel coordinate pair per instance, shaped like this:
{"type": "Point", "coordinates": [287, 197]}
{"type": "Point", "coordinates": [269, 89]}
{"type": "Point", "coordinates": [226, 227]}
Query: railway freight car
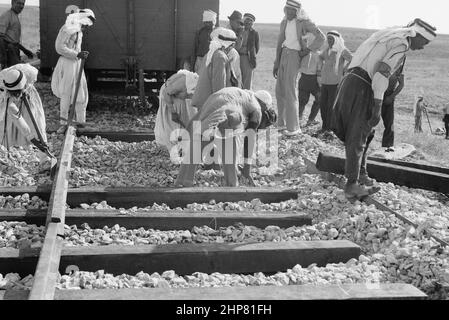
{"type": "Point", "coordinates": [132, 39]}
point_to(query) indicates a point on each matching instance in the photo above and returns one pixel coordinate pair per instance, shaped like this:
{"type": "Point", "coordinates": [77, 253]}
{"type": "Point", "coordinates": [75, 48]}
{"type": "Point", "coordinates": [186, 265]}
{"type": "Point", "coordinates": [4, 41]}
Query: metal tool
{"type": "Point", "coordinates": [428, 120]}
{"type": "Point", "coordinates": [40, 144]}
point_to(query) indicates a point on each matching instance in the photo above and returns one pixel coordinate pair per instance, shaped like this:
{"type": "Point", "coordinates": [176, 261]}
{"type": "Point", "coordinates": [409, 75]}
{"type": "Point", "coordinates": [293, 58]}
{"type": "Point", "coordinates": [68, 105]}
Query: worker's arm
{"type": "Point", "coordinates": [347, 56]}
{"type": "Point", "coordinates": [257, 41]}
{"type": "Point", "coordinates": [281, 39]}
{"type": "Point", "coordinates": [318, 42]}
{"type": "Point", "coordinates": [19, 121]}
{"type": "Point", "coordinates": [219, 71]}
{"type": "Point", "coordinates": [62, 47]}
{"type": "Point", "coordinates": [400, 87]}
{"type": "Point", "coordinates": [384, 69]}
{"type": "Point", "coordinates": [5, 19]}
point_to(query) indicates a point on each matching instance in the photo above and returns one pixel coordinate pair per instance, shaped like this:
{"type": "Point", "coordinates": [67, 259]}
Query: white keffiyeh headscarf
{"type": "Point", "coordinates": [191, 80]}
{"type": "Point", "coordinates": [338, 47]}
{"type": "Point", "coordinates": [75, 20]}
{"type": "Point", "coordinates": [221, 37]}
{"type": "Point", "coordinates": [382, 36]}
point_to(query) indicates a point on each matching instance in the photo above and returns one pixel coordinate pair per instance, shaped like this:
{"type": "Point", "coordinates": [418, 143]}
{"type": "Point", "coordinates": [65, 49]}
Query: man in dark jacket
{"type": "Point", "coordinates": [248, 50]}
{"type": "Point", "coordinates": [202, 41]}
{"type": "Point", "coordinates": [10, 36]}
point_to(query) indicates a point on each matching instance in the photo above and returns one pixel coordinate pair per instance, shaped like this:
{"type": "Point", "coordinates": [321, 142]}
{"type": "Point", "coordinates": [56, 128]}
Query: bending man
{"type": "Point", "coordinates": [175, 111]}
{"type": "Point", "coordinates": [231, 112]}
{"type": "Point", "coordinates": [359, 101]}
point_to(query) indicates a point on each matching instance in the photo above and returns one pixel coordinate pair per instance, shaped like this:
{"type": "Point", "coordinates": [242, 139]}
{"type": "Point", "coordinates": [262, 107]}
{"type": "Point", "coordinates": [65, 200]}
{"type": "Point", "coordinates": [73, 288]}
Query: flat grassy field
{"type": "Point", "coordinates": [426, 72]}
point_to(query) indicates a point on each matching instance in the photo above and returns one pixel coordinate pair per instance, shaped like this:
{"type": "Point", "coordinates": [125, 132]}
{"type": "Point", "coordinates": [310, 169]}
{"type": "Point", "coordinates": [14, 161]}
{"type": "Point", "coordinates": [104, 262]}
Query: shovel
{"type": "Point", "coordinates": [75, 97]}
{"type": "Point", "coordinates": [41, 144]}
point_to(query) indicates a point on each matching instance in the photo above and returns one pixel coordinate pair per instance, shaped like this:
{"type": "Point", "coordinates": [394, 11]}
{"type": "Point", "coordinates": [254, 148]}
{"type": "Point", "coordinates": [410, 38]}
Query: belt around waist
{"type": "Point", "coordinates": [288, 49]}
{"type": "Point", "coordinates": [361, 73]}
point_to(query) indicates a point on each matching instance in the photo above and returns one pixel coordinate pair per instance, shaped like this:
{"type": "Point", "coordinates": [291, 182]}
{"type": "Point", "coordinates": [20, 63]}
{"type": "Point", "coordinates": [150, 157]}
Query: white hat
{"type": "Point", "coordinates": [86, 17]}
{"type": "Point", "coordinates": [210, 16]}
{"type": "Point", "coordinates": [265, 97]}
{"type": "Point", "coordinates": [424, 29]}
{"type": "Point", "coordinates": [293, 4]}
{"type": "Point", "coordinates": [71, 9]}
{"type": "Point", "coordinates": [14, 80]}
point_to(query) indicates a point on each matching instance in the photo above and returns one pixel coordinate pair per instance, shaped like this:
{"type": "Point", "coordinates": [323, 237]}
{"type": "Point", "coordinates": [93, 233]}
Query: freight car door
{"type": "Point", "coordinates": [106, 41]}
{"type": "Point", "coordinates": [155, 34]}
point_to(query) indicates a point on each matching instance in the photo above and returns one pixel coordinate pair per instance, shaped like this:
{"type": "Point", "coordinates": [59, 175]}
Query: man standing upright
{"type": "Point", "coordinates": [10, 36]}
{"type": "Point", "coordinates": [236, 25]}
{"type": "Point", "coordinates": [202, 40]}
{"type": "Point", "coordinates": [291, 48]}
{"type": "Point", "coordinates": [357, 110]}
{"type": "Point", "coordinates": [309, 83]}
{"type": "Point", "coordinates": [248, 50]}
{"type": "Point", "coordinates": [395, 86]}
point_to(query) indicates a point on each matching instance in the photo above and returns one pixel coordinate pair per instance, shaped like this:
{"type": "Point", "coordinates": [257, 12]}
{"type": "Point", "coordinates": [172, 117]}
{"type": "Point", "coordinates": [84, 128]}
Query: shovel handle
{"type": "Point", "coordinates": [77, 88]}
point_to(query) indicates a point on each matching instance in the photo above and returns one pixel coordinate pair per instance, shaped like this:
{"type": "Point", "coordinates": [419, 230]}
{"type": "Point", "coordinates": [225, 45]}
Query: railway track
{"type": "Point", "coordinates": [231, 258]}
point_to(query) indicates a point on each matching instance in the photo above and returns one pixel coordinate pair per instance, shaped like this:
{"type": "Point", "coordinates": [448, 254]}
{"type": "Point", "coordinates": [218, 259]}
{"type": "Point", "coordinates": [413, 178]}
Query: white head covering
{"type": "Point", "coordinates": [13, 79]}
{"type": "Point", "coordinates": [71, 9]}
{"type": "Point", "coordinates": [28, 71]}
{"type": "Point", "coordinates": [382, 36]}
{"type": "Point", "coordinates": [423, 28]}
{"type": "Point", "coordinates": [191, 80]}
{"type": "Point", "coordinates": [221, 37]}
{"type": "Point", "coordinates": [210, 16]}
{"type": "Point", "coordinates": [74, 21]}
{"type": "Point", "coordinates": [265, 97]}
{"type": "Point", "coordinates": [338, 47]}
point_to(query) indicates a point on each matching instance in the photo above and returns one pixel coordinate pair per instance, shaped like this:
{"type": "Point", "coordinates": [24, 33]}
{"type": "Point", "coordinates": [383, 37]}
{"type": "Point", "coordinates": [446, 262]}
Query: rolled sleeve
{"type": "Point", "coordinates": [62, 48]}
{"type": "Point", "coordinates": [390, 63]}
{"type": "Point", "coordinates": [318, 42]}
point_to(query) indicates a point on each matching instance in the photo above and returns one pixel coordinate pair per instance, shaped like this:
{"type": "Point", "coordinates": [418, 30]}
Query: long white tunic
{"type": "Point", "coordinates": [66, 72]}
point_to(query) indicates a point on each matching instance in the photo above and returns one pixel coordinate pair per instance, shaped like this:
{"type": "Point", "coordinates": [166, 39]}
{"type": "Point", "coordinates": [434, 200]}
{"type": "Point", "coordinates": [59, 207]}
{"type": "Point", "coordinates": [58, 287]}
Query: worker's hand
{"type": "Point", "coordinates": [83, 55]}
{"type": "Point", "coordinates": [275, 71]}
{"type": "Point", "coordinates": [304, 52]}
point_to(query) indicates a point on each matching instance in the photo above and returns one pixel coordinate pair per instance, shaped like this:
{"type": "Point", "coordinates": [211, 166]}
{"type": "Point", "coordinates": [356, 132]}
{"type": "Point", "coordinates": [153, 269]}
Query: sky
{"type": "Point", "coordinates": [372, 14]}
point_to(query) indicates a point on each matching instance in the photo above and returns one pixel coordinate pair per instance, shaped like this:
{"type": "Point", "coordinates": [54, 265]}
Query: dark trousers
{"type": "Point", "coordinates": [388, 120]}
{"type": "Point", "coordinates": [308, 85]}
{"type": "Point", "coordinates": [328, 95]}
{"type": "Point", "coordinates": [9, 54]}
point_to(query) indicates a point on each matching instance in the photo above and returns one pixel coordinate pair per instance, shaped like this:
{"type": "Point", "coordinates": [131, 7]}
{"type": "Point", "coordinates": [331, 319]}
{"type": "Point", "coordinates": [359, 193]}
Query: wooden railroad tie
{"type": "Point", "coordinates": [162, 220]}
{"type": "Point", "coordinates": [143, 197]}
{"type": "Point", "coordinates": [386, 172]}
{"type": "Point", "coordinates": [396, 291]}
{"type": "Point", "coordinates": [186, 259]}
{"type": "Point", "coordinates": [116, 136]}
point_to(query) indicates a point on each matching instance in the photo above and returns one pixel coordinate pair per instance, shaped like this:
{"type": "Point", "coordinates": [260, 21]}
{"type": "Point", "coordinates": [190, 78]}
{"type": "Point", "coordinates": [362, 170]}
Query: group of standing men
{"type": "Point", "coordinates": [357, 90]}
{"type": "Point", "coordinates": [243, 55]}
{"type": "Point", "coordinates": [303, 51]}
